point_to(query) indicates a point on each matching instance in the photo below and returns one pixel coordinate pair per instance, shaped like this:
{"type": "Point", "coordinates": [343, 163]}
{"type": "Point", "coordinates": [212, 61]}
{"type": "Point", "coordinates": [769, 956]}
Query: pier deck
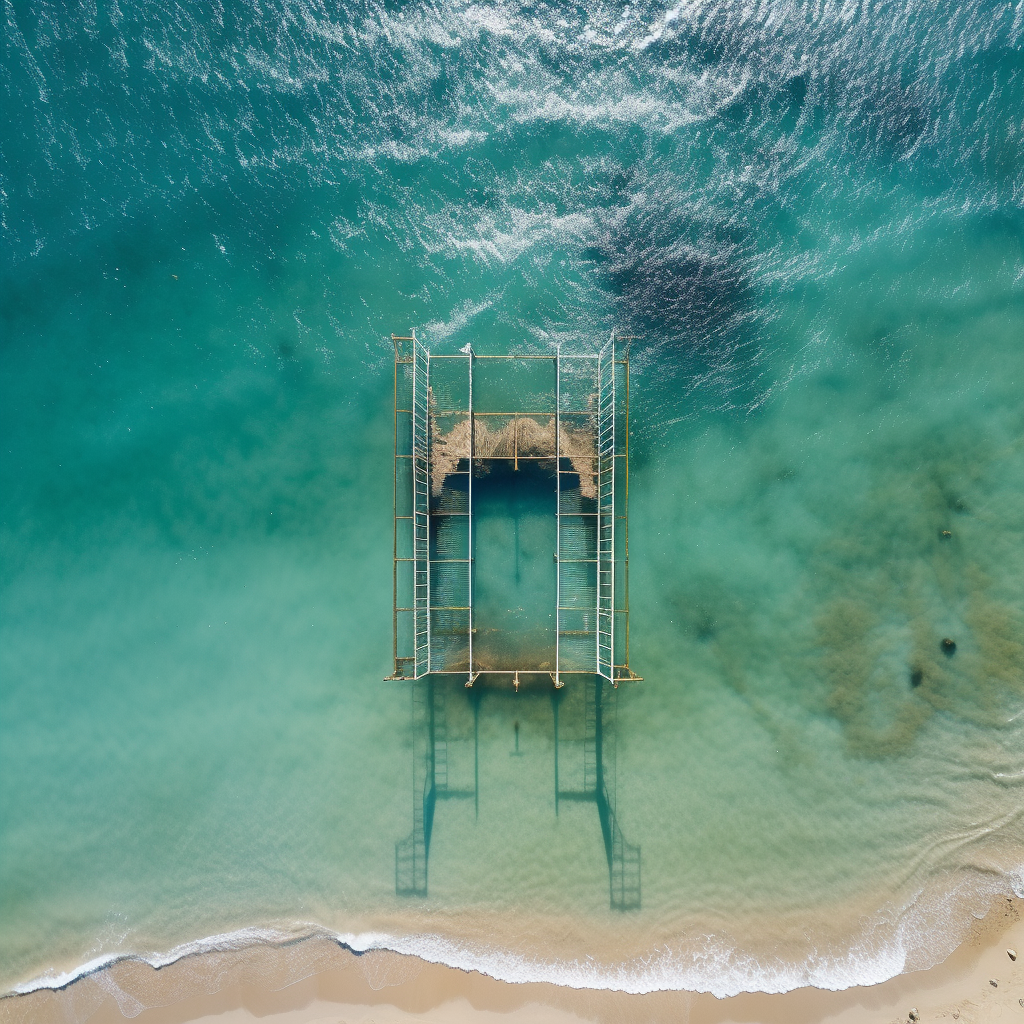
{"type": "Point", "coordinates": [447, 432]}
{"type": "Point", "coordinates": [458, 418]}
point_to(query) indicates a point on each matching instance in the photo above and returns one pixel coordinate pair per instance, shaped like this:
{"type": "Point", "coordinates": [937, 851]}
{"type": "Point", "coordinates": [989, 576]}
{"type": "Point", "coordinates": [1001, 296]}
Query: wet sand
{"type": "Point", "coordinates": [340, 987]}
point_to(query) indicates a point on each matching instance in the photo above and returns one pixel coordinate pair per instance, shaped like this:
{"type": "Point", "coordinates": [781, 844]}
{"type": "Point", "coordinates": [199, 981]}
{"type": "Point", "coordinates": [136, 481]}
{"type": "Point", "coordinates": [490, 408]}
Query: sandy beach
{"type": "Point", "coordinates": [978, 983]}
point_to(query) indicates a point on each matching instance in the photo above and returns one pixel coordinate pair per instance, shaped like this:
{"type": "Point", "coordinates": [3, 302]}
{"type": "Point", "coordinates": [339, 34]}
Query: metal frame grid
{"type": "Point", "coordinates": [421, 507]}
{"type": "Point", "coordinates": [433, 569]}
{"type": "Point", "coordinates": [606, 512]}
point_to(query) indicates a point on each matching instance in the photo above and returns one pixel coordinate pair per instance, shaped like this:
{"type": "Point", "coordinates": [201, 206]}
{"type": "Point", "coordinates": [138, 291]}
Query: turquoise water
{"type": "Point", "coordinates": [213, 219]}
{"type": "Point", "coordinates": [514, 586]}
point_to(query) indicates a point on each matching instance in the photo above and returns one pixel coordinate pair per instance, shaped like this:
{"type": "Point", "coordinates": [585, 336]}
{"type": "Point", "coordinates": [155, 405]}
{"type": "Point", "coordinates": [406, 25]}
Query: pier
{"type": "Point", "coordinates": [566, 415]}
{"type": "Point", "coordinates": [554, 428]}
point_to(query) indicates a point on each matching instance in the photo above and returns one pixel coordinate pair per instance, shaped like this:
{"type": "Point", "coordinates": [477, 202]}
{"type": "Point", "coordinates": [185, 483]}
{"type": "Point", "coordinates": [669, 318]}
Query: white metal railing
{"type": "Point", "coordinates": [441, 605]}
{"type": "Point", "coordinates": [421, 506]}
{"type": "Point", "coordinates": [469, 523]}
{"type": "Point", "coordinates": [558, 518]}
{"type": "Point", "coordinates": [606, 511]}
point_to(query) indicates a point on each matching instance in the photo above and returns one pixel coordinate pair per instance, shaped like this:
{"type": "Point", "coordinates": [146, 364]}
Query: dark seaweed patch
{"type": "Point", "coordinates": [684, 287]}
{"type": "Point", "coordinates": [882, 114]}
{"type": "Point", "coordinates": [672, 278]}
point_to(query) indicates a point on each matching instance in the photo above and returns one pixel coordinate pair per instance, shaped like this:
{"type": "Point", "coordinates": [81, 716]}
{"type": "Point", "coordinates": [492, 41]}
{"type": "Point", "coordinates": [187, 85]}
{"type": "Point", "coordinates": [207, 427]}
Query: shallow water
{"type": "Point", "coordinates": [213, 222]}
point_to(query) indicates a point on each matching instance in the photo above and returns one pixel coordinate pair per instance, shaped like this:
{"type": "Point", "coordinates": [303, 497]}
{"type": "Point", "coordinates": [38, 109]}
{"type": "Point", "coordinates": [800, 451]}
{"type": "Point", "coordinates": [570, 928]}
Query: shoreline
{"type": "Point", "coordinates": [314, 979]}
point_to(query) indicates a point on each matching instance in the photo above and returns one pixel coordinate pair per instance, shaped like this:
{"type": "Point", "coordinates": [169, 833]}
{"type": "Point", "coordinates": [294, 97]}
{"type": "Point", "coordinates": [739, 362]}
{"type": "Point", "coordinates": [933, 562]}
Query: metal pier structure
{"type": "Point", "coordinates": [579, 431]}
{"type": "Point", "coordinates": [457, 416]}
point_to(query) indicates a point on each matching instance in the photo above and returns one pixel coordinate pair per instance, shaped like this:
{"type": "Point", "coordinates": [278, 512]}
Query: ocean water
{"type": "Point", "coordinates": [215, 215]}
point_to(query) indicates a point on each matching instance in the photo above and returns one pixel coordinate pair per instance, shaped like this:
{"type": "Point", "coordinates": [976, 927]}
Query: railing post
{"type": "Point", "coordinates": [469, 553]}
{"type": "Point", "coordinates": [558, 517]}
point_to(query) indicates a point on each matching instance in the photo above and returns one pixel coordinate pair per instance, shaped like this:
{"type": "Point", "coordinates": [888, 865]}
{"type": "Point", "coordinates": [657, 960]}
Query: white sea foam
{"type": "Point", "coordinates": [914, 935]}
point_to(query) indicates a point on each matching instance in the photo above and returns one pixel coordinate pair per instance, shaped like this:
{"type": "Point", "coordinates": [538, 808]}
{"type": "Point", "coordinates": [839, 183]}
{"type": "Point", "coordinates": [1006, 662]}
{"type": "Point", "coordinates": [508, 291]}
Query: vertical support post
{"type": "Point", "coordinates": [418, 627]}
{"type": "Point", "coordinates": [426, 511]}
{"type": "Point", "coordinates": [558, 517]}
{"type": "Point", "coordinates": [600, 500]}
{"type": "Point", "coordinates": [625, 508]}
{"type": "Point", "coordinates": [394, 517]}
{"type": "Point", "coordinates": [606, 512]}
{"type": "Point", "coordinates": [611, 512]}
{"type": "Point", "coordinates": [469, 553]}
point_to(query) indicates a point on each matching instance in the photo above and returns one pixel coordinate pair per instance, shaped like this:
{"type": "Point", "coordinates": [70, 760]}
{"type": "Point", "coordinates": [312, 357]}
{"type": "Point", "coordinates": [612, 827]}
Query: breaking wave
{"type": "Point", "coordinates": [911, 937]}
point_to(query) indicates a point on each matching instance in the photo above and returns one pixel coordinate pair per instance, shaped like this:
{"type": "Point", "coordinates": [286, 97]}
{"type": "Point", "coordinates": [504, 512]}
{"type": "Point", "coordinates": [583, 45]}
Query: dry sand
{"type": "Point", "coordinates": [386, 988]}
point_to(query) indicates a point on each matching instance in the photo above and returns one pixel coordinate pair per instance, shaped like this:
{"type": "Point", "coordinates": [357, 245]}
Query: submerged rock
{"type": "Point", "coordinates": [948, 647]}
